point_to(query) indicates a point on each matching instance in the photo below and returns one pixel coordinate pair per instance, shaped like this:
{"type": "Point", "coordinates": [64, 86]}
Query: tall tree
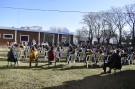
{"type": "Point", "coordinates": [130, 11]}
{"type": "Point", "coordinates": [98, 27]}
{"type": "Point", "coordinates": [119, 21]}
{"type": "Point", "coordinates": [89, 20]}
{"type": "Point", "coordinates": [108, 26]}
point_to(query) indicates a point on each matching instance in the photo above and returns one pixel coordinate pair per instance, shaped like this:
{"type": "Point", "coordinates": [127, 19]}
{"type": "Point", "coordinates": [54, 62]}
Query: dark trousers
{"type": "Point", "coordinates": [105, 66]}
{"type": "Point", "coordinates": [36, 61]}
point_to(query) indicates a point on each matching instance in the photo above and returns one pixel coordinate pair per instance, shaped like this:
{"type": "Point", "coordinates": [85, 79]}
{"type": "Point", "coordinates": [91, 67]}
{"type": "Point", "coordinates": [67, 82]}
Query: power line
{"type": "Point", "coordinates": [47, 10]}
{"type": "Point", "coordinates": [65, 11]}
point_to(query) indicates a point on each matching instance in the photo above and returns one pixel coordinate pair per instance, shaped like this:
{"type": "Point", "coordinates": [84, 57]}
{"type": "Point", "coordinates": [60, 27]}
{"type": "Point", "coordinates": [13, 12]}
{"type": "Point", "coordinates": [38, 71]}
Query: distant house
{"type": "Point", "coordinates": [19, 35]}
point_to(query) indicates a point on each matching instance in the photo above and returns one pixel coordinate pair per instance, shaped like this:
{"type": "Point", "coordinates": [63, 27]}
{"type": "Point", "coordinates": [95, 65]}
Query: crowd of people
{"type": "Point", "coordinates": [109, 56]}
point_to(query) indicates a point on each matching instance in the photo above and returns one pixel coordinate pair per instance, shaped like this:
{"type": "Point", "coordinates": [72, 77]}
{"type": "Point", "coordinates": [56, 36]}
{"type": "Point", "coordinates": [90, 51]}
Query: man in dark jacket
{"type": "Point", "coordinates": [114, 62]}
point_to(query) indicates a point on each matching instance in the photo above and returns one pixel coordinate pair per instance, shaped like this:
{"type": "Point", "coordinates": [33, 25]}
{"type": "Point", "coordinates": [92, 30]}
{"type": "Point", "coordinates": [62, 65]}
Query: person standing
{"type": "Point", "coordinates": [51, 55]}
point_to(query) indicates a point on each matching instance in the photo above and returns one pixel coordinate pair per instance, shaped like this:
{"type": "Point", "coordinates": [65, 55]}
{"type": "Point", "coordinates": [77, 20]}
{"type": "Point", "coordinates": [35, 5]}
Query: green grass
{"type": "Point", "coordinates": [63, 76]}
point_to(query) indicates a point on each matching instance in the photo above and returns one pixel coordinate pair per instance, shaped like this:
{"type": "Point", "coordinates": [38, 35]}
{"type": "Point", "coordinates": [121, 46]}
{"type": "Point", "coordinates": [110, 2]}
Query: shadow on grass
{"type": "Point", "coordinates": [39, 67]}
{"type": "Point", "coordinates": [72, 68]}
{"type": "Point", "coordinates": [81, 67]}
{"type": "Point", "coordinates": [19, 67]}
{"type": "Point", "coordinates": [119, 80]}
{"type": "Point", "coordinates": [59, 66]}
{"type": "Point", "coordinates": [41, 61]}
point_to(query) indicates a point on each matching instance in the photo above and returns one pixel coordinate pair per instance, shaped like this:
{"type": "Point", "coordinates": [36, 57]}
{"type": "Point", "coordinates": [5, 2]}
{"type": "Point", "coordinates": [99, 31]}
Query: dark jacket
{"type": "Point", "coordinates": [12, 55]}
{"type": "Point", "coordinates": [115, 61]}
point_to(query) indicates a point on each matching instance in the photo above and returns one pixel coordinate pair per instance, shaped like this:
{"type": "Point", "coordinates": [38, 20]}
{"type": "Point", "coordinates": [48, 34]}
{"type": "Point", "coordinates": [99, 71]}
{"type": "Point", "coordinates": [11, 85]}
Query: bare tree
{"type": "Point", "coordinates": [89, 20]}
{"type": "Point", "coordinates": [127, 37]}
{"type": "Point", "coordinates": [108, 35]}
{"type": "Point", "coordinates": [119, 21]}
{"type": "Point", "coordinates": [80, 34]}
{"type": "Point", "coordinates": [85, 32]}
{"type": "Point", "coordinates": [65, 30]}
{"type": "Point", "coordinates": [130, 10]}
{"type": "Point", "coordinates": [98, 27]}
{"type": "Point", "coordinates": [109, 28]}
{"type": "Point", "coordinates": [53, 29]}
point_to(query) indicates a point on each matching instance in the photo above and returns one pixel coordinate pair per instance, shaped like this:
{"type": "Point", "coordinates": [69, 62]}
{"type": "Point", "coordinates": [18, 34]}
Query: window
{"type": "Point", "coordinates": [8, 36]}
{"type": "Point", "coordinates": [0, 35]}
{"type": "Point", "coordinates": [24, 38]}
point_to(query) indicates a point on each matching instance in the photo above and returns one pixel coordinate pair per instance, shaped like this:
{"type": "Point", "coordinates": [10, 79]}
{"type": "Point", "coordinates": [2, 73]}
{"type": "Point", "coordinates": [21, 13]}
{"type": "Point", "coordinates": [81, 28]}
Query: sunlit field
{"type": "Point", "coordinates": [61, 76]}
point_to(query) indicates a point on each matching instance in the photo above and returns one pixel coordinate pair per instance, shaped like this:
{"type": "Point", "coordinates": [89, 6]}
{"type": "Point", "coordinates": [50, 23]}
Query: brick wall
{"type": "Point", "coordinates": [4, 41]}
{"type": "Point", "coordinates": [32, 35]}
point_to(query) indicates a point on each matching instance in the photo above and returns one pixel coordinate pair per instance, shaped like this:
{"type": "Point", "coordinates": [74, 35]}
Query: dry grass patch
{"type": "Point", "coordinates": [63, 76]}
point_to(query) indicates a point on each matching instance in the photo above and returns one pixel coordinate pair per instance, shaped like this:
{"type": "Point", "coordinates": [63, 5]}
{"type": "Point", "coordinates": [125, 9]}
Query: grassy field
{"type": "Point", "coordinates": [63, 76]}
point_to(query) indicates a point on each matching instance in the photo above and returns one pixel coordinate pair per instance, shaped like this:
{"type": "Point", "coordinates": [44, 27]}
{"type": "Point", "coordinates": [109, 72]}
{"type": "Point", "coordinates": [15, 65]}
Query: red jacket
{"type": "Point", "coordinates": [51, 55]}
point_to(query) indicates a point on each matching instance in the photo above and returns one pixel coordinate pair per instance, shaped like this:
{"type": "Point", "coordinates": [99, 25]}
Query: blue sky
{"type": "Point", "coordinates": [72, 21]}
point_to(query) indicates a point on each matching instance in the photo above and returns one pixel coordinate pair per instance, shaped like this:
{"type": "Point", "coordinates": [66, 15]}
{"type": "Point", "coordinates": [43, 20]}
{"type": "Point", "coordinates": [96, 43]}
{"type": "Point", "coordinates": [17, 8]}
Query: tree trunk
{"type": "Point", "coordinates": [90, 40]}
{"type": "Point", "coordinates": [120, 36]}
{"type": "Point", "coordinates": [98, 39]}
{"type": "Point", "coordinates": [108, 41]}
{"type": "Point", "coordinates": [78, 40]}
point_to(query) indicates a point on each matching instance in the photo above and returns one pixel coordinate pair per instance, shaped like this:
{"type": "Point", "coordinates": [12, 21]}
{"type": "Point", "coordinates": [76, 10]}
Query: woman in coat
{"type": "Point", "coordinates": [33, 56]}
{"type": "Point", "coordinates": [51, 55]}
